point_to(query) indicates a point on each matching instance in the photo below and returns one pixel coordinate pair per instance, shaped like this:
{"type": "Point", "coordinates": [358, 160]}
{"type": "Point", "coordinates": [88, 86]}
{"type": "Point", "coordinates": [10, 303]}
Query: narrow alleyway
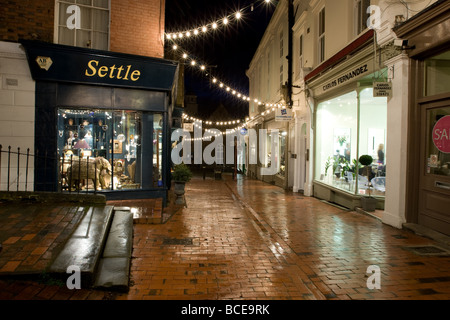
{"type": "Point", "coordinates": [245, 240]}
{"type": "Point", "coordinates": [251, 240]}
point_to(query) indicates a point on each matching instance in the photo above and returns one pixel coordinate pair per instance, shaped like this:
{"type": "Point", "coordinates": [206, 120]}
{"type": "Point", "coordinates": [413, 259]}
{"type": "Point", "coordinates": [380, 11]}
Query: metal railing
{"type": "Point", "coordinates": [10, 176]}
{"type": "Point", "coordinates": [71, 170]}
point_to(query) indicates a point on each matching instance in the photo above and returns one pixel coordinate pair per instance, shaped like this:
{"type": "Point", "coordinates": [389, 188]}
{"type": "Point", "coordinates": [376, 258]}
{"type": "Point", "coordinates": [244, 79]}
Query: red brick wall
{"type": "Point", "coordinates": [27, 19]}
{"type": "Point", "coordinates": [137, 27]}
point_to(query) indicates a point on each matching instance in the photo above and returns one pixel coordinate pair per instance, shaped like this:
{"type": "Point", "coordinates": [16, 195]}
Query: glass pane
{"type": "Point", "coordinates": [101, 20]}
{"type": "Point", "coordinates": [157, 150]}
{"type": "Point", "coordinates": [86, 17]}
{"type": "Point", "coordinates": [66, 36]}
{"type": "Point", "coordinates": [86, 2]}
{"type": "Point", "coordinates": [282, 153]}
{"type": "Point", "coordinates": [84, 39]}
{"type": "Point", "coordinates": [100, 41]}
{"type": "Point", "coordinates": [90, 141]}
{"type": "Point", "coordinates": [336, 142]}
{"type": "Point", "coordinates": [101, 3]}
{"type": "Point", "coordinates": [438, 146]}
{"type": "Point", "coordinates": [126, 147]}
{"type": "Point", "coordinates": [372, 142]}
{"type": "Point", "coordinates": [437, 74]}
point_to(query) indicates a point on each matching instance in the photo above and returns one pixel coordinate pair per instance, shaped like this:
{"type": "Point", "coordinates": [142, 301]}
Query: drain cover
{"type": "Point", "coordinates": [178, 242]}
{"type": "Point", "coordinates": [427, 250]}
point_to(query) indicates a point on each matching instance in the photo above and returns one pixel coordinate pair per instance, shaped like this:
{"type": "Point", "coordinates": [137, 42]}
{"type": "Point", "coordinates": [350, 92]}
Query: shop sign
{"type": "Point", "coordinates": [283, 115]}
{"type": "Point", "coordinates": [441, 134]}
{"type": "Point", "coordinates": [88, 66]}
{"type": "Point", "coordinates": [356, 73]}
{"type": "Point", "coordinates": [44, 62]}
{"type": "Point", "coordinates": [382, 89]}
{"type": "Point", "coordinates": [189, 127]}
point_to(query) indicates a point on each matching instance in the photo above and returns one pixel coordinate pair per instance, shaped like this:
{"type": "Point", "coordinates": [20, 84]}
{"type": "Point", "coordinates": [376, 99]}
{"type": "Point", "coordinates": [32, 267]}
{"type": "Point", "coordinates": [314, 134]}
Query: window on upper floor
{"type": "Point", "coordinates": [361, 15]}
{"type": "Point", "coordinates": [92, 29]}
{"type": "Point", "coordinates": [321, 48]}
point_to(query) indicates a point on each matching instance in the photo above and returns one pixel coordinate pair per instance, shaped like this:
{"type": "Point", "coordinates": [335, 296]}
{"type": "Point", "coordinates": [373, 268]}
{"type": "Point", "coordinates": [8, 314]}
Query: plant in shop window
{"type": "Point", "coordinates": [368, 203]}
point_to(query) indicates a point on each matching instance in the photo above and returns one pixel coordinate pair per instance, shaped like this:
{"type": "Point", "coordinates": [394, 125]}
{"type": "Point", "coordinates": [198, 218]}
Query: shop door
{"type": "Point", "coordinates": [434, 193]}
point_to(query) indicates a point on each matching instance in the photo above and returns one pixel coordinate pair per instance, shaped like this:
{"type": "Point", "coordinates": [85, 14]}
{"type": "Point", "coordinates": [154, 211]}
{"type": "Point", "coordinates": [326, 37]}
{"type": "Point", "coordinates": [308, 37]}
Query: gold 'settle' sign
{"type": "Point", "coordinates": [124, 73]}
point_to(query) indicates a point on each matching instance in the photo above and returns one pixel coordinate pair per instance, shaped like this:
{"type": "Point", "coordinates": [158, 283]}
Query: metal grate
{"type": "Point", "coordinates": [178, 242]}
{"type": "Point", "coordinates": [427, 250]}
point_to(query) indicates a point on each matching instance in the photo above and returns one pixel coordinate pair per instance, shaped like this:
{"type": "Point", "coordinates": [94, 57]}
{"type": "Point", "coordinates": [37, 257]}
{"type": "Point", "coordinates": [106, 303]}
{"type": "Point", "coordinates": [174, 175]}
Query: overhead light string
{"type": "Point", "coordinates": [217, 83]}
{"type": "Point", "coordinates": [213, 26]}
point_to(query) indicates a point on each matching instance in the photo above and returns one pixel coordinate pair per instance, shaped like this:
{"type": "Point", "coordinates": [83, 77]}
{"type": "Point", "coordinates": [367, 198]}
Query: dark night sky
{"type": "Point", "coordinates": [229, 50]}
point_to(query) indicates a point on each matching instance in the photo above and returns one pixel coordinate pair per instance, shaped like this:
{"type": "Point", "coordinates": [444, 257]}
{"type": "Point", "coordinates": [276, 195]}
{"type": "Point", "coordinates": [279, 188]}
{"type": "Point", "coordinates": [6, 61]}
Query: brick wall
{"type": "Point", "coordinates": [27, 19]}
{"type": "Point", "coordinates": [137, 27]}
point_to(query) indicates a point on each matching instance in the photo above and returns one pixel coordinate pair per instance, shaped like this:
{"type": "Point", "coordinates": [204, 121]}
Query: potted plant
{"type": "Point", "coordinates": [180, 175]}
{"type": "Point", "coordinates": [368, 203]}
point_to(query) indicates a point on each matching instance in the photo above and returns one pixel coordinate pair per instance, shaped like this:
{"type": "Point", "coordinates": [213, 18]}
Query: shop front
{"type": "Point", "coordinates": [103, 121]}
{"type": "Point", "coordinates": [350, 121]}
{"type": "Point", "coordinates": [274, 152]}
{"type": "Point", "coordinates": [428, 168]}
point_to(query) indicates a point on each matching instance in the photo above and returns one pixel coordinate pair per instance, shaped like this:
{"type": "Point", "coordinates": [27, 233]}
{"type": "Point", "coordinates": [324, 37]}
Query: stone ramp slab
{"type": "Point", "coordinates": [114, 268]}
{"type": "Point", "coordinates": [85, 246]}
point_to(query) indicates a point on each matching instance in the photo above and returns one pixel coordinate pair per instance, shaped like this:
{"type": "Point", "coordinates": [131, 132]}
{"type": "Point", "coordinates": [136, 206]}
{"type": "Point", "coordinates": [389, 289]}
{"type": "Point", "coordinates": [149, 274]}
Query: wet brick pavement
{"type": "Point", "coordinates": [249, 240]}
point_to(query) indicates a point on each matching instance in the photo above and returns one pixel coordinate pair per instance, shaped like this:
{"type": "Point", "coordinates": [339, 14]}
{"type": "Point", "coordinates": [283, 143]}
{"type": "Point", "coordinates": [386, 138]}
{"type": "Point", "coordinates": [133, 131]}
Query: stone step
{"type": "Point", "coordinates": [84, 247]}
{"type": "Point", "coordinates": [114, 268]}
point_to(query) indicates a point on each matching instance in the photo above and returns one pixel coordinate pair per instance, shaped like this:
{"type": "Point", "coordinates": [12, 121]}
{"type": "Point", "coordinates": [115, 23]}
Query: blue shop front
{"type": "Point", "coordinates": [103, 121]}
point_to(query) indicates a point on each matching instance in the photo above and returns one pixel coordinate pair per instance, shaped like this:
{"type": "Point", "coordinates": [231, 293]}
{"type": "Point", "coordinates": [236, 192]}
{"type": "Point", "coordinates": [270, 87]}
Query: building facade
{"type": "Point", "coordinates": [86, 89]}
{"type": "Point", "coordinates": [351, 97]}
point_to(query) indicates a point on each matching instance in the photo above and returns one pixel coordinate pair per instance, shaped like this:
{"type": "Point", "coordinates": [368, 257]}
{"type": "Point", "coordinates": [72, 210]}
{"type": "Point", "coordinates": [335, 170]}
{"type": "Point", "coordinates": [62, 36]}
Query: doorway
{"type": "Point", "coordinates": [434, 182]}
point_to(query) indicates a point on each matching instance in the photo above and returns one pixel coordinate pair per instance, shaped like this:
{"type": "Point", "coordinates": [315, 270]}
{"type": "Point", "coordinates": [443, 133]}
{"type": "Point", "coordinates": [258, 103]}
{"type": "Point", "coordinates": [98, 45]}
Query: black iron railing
{"type": "Point", "coordinates": [15, 168]}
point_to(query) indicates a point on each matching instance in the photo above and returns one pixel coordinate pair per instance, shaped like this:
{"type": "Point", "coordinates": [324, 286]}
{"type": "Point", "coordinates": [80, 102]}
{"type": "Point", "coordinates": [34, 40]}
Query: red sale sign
{"type": "Point", "coordinates": [441, 134]}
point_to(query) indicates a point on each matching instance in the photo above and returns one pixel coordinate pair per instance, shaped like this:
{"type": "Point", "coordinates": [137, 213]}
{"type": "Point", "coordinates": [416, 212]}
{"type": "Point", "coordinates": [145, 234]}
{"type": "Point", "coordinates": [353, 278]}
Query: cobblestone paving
{"type": "Point", "coordinates": [248, 240]}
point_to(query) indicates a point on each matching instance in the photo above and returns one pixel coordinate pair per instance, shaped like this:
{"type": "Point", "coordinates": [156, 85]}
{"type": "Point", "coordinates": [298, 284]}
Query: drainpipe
{"type": "Point", "coordinates": [290, 57]}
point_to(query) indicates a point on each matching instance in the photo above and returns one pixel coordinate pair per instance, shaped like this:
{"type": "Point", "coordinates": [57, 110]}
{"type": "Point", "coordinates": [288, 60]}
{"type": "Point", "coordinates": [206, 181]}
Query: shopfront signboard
{"type": "Point", "coordinates": [283, 115]}
{"type": "Point", "coordinates": [382, 89]}
{"type": "Point", "coordinates": [58, 63]}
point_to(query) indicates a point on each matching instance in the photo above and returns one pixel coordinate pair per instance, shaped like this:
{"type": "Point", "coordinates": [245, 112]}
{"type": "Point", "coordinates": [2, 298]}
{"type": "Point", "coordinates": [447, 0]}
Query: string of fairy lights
{"type": "Point", "coordinates": [194, 62]}
{"type": "Point", "coordinates": [213, 26]}
{"type": "Point", "coordinates": [202, 67]}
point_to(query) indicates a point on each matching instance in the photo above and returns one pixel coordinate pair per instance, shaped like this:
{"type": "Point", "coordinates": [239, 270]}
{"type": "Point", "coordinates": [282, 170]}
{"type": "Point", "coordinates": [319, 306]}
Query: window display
{"type": "Point", "coordinates": [99, 149]}
{"type": "Point", "coordinates": [279, 158]}
{"type": "Point", "coordinates": [347, 130]}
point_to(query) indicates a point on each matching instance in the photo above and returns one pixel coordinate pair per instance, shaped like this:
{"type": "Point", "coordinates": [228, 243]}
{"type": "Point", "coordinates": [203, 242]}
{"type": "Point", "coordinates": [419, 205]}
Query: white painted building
{"type": "Point", "coordinates": [17, 110]}
{"type": "Point", "coordinates": [337, 61]}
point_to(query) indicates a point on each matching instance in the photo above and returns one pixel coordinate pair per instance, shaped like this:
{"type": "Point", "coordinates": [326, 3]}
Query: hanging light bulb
{"type": "Point", "coordinates": [204, 29]}
{"type": "Point", "coordinates": [214, 26]}
{"type": "Point", "coordinates": [225, 21]}
{"type": "Point", "coordinates": [238, 15]}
